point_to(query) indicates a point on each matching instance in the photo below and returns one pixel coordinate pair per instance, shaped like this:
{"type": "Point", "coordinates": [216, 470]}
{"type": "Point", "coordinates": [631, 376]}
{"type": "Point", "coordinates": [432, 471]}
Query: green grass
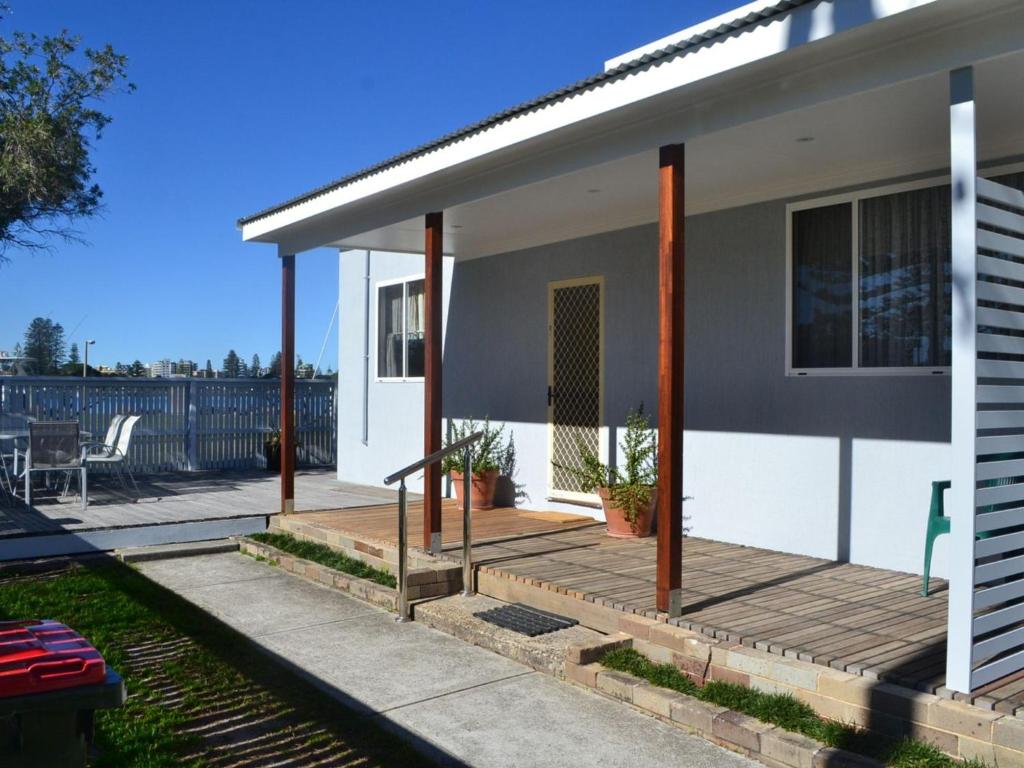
{"type": "Point", "coordinates": [324, 555]}
{"type": "Point", "coordinates": [180, 666]}
{"type": "Point", "coordinates": [786, 712]}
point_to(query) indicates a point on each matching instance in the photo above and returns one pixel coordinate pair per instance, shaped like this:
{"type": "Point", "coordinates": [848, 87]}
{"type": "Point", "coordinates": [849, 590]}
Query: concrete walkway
{"type": "Point", "coordinates": [463, 704]}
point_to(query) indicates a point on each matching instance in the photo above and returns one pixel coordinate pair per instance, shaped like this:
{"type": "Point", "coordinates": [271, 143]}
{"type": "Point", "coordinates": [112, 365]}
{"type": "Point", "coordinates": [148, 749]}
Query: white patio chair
{"type": "Point", "coordinates": [116, 459]}
{"type": "Point", "coordinates": [109, 444]}
{"type": "Point", "coordinates": [53, 446]}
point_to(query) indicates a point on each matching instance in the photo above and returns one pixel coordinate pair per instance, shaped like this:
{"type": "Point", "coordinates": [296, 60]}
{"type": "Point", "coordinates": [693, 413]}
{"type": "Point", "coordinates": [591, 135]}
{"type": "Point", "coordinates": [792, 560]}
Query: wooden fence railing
{"type": "Point", "coordinates": [187, 424]}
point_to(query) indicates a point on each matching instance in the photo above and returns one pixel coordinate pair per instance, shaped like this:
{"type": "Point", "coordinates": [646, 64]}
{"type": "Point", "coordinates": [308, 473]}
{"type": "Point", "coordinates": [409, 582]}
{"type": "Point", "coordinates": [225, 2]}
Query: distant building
{"type": "Point", "coordinates": [186, 368]}
{"type": "Point", "coordinates": [163, 369]}
{"type": "Point", "coordinates": [304, 371]}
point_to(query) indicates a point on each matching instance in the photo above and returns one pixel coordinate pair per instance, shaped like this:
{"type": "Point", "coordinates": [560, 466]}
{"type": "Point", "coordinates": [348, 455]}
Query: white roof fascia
{"type": "Point", "coordinates": [755, 44]}
{"type": "Point", "coordinates": [708, 26]}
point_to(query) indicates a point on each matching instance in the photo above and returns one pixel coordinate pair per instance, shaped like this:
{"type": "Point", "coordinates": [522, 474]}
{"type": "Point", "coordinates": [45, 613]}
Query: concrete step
{"type": "Point", "coordinates": [168, 551]}
{"type": "Point", "coordinates": [545, 653]}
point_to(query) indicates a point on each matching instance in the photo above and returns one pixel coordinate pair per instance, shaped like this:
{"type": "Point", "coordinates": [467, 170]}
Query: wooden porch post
{"type": "Point", "coordinates": [287, 384]}
{"type": "Point", "coordinates": [432, 382]}
{"type": "Point", "coordinates": [671, 263]}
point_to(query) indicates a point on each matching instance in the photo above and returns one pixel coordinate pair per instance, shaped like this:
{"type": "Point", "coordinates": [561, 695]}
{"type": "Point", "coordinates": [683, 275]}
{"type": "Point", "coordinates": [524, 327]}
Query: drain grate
{"type": "Point", "coordinates": [525, 620]}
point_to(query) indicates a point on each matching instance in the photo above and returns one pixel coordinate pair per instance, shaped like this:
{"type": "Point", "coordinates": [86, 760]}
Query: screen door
{"type": "Point", "coordinates": [575, 380]}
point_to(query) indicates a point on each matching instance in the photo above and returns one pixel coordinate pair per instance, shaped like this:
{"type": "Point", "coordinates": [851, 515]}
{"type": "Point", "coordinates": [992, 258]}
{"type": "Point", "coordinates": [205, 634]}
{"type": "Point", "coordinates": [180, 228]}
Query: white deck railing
{"type": "Point", "coordinates": [187, 424]}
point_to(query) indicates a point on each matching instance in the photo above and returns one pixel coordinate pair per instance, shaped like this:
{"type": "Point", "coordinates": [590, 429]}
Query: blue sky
{"type": "Point", "coordinates": [241, 105]}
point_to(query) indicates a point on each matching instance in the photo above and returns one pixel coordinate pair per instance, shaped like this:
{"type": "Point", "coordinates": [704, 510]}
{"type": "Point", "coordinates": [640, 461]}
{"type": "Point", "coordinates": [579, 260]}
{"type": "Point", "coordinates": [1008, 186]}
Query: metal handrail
{"type": "Point", "coordinates": [465, 445]}
{"type": "Point", "coordinates": [433, 458]}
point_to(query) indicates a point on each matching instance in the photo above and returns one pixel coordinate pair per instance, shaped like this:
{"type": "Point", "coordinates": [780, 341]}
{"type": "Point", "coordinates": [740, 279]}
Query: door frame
{"type": "Point", "coordinates": [569, 496]}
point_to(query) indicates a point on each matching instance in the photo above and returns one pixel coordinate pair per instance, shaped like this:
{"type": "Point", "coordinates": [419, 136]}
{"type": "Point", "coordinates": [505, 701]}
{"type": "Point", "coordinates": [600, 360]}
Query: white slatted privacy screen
{"type": "Point", "coordinates": [997, 629]}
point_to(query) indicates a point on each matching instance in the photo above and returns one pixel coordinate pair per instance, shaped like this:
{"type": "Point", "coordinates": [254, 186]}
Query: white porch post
{"type": "Point", "coordinates": [960, 505]}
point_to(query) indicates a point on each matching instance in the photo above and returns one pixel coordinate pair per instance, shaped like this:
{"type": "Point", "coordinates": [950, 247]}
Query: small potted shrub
{"type": "Point", "coordinates": [629, 493]}
{"type": "Point", "coordinates": [485, 453]}
{"type": "Point", "coordinates": [272, 451]}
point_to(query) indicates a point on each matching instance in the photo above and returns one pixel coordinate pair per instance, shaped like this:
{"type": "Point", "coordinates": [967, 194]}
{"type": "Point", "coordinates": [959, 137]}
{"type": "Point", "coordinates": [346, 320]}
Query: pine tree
{"type": "Point", "coordinates": [137, 369]}
{"type": "Point", "coordinates": [274, 369]}
{"type": "Point", "coordinates": [232, 365]}
{"type": "Point", "coordinates": [254, 366]}
{"type": "Point", "coordinates": [209, 369]}
{"type": "Point", "coordinates": [73, 357]}
{"type": "Point", "coordinates": [44, 345]}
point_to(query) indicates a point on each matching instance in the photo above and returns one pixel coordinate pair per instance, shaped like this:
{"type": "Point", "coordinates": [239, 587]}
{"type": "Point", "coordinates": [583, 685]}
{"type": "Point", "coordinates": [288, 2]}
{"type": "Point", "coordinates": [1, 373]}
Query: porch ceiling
{"type": "Point", "coordinates": [881, 134]}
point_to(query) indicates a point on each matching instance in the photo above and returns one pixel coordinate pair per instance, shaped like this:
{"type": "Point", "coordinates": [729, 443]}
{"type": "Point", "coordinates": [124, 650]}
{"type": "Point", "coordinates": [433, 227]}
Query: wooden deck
{"type": "Point", "coordinates": [178, 497]}
{"type": "Point", "coordinates": [171, 507]}
{"type": "Point", "coordinates": [855, 618]}
{"type": "Point", "coordinates": [381, 522]}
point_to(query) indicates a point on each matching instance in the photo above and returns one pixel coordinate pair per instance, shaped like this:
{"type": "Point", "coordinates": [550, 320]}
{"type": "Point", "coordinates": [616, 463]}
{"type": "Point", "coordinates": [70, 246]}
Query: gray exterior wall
{"type": "Point", "coordinates": [834, 467]}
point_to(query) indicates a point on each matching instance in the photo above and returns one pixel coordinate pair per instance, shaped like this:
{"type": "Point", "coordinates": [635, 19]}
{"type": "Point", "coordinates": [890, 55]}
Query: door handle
{"type": "Point", "coordinates": [551, 395]}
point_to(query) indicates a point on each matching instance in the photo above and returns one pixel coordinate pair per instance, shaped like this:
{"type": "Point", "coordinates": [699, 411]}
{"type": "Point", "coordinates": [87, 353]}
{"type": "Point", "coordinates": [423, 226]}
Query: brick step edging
{"type": "Point", "coordinates": [363, 589]}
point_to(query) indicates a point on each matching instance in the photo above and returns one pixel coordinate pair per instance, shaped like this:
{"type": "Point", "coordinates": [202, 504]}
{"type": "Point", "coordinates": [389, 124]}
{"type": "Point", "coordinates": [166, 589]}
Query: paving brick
{"type": "Point", "coordinates": [695, 714]}
{"type": "Point", "coordinates": [751, 661]}
{"type": "Point", "coordinates": [720, 653]}
{"type": "Point", "coordinates": [830, 757]}
{"type": "Point", "coordinates": [978, 749]}
{"type": "Point", "coordinates": [834, 709]}
{"type": "Point", "coordinates": [727, 675]}
{"type": "Point", "coordinates": [1008, 732]}
{"type": "Point", "coordinates": [584, 674]}
{"type": "Point", "coordinates": [1008, 758]}
{"type": "Point", "coordinates": [770, 686]}
{"type": "Point", "coordinates": [963, 719]}
{"type": "Point", "coordinates": [683, 641]}
{"type": "Point", "coordinates": [696, 669]}
{"type": "Point", "coordinates": [637, 626]}
{"type": "Point", "coordinates": [882, 697]}
{"type": "Point", "coordinates": [798, 674]}
{"type": "Point", "coordinates": [617, 684]}
{"type": "Point", "coordinates": [739, 729]}
{"type": "Point", "coordinates": [592, 652]}
{"type": "Point", "coordinates": [655, 699]}
{"type": "Point", "coordinates": [659, 654]}
{"type": "Point", "coordinates": [792, 749]}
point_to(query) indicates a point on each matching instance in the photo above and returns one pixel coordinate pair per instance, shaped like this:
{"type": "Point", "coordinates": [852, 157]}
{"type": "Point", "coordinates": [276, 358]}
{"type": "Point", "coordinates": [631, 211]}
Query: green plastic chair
{"type": "Point", "coordinates": [938, 523]}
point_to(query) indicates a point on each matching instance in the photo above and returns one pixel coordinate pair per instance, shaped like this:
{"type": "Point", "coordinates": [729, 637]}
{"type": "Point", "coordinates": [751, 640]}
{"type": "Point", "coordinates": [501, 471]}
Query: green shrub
{"type": "Point", "coordinates": [324, 555]}
{"type": "Point", "coordinates": [786, 712]}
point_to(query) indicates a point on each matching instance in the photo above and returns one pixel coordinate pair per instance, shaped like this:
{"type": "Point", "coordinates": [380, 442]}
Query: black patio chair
{"type": "Point", "coordinates": [54, 446]}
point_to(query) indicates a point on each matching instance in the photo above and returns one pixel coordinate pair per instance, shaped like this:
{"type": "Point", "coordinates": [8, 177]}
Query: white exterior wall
{"type": "Point", "coordinates": [395, 428]}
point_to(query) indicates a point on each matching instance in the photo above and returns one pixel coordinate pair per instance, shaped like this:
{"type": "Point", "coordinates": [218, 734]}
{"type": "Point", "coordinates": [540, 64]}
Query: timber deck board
{"type": "Point", "coordinates": [177, 497]}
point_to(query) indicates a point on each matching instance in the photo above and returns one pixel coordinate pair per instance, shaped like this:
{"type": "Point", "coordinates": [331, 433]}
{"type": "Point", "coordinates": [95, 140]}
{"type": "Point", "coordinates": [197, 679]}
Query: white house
{"type": "Point", "coordinates": [829, 338]}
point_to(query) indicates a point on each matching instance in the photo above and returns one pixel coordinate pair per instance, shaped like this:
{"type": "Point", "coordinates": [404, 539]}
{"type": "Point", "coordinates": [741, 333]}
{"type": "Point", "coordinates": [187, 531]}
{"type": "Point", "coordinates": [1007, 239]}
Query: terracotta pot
{"type": "Point", "coordinates": [484, 485]}
{"type": "Point", "coordinates": [619, 526]}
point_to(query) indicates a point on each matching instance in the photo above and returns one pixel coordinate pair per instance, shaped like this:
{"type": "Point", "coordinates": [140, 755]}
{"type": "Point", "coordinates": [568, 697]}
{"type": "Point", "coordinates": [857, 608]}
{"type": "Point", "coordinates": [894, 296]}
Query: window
{"type": "Point", "coordinates": [400, 330]}
{"type": "Point", "coordinates": [870, 282]}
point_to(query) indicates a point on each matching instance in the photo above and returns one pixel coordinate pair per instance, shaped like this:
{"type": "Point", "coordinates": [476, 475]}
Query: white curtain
{"type": "Point", "coordinates": [389, 331]}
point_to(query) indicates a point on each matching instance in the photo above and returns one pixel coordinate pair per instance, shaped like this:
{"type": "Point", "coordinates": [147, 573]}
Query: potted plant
{"type": "Point", "coordinates": [485, 453]}
{"type": "Point", "coordinates": [628, 492]}
{"type": "Point", "coordinates": [272, 451]}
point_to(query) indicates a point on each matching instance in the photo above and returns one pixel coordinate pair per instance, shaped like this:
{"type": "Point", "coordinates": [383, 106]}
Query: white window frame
{"type": "Point", "coordinates": [404, 282]}
{"type": "Point", "coordinates": [854, 198]}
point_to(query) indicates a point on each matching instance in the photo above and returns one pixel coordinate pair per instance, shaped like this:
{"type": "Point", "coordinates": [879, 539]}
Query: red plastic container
{"type": "Point", "coordinates": [43, 655]}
